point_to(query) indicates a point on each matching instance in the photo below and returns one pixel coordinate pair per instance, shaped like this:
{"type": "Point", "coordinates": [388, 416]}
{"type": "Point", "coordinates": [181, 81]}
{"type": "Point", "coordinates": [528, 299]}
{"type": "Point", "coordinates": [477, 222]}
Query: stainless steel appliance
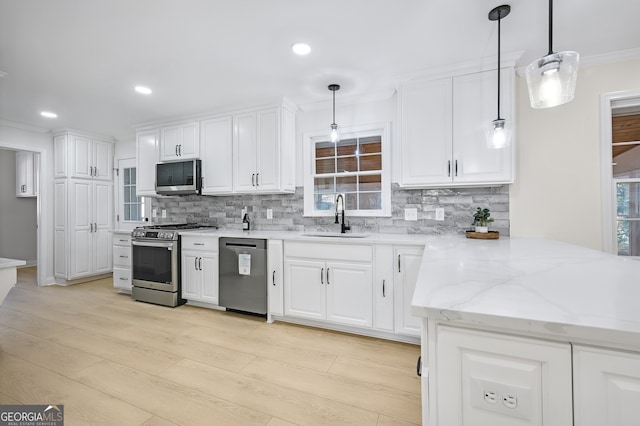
{"type": "Point", "coordinates": [179, 177]}
{"type": "Point", "coordinates": [243, 275]}
{"type": "Point", "coordinates": [156, 263]}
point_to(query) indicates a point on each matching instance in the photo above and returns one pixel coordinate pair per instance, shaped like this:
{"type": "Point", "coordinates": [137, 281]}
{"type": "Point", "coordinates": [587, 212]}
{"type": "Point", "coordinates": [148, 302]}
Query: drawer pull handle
{"type": "Point", "coordinates": [198, 244]}
{"type": "Point", "coordinates": [124, 279]}
{"type": "Point", "coordinates": [124, 257]}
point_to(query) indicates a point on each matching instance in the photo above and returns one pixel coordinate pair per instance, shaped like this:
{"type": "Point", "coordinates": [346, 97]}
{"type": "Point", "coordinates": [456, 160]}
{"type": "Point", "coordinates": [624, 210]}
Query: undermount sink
{"type": "Point", "coordinates": [336, 234]}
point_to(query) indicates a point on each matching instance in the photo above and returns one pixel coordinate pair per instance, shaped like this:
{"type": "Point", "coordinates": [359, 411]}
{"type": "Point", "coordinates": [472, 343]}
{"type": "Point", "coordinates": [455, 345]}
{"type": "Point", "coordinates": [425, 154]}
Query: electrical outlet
{"type": "Point", "coordinates": [269, 213]}
{"type": "Point", "coordinates": [164, 214]}
{"type": "Point", "coordinates": [154, 213]}
{"type": "Point", "coordinates": [439, 213]}
{"type": "Point", "coordinates": [411, 214]}
{"type": "Point", "coordinates": [501, 398]}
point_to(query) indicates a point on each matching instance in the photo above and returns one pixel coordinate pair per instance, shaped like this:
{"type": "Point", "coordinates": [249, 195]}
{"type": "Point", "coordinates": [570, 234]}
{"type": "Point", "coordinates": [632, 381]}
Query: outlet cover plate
{"type": "Point", "coordinates": [439, 213]}
{"type": "Point", "coordinates": [411, 214]}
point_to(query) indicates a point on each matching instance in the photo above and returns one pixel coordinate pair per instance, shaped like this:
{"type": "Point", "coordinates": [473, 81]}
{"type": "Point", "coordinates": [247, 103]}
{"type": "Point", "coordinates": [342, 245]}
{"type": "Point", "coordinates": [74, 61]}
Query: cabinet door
{"type": "Point", "coordinates": [426, 143]}
{"type": "Point", "coordinates": [191, 275]}
{"type": "Point", "coordinates": [81, 157]}
{"type": "Point", "coordinates": [190, 141]}
{"type": "Point", "coordinates": [80, 228]}
{"type": "Point", "coordinates": [304, 295]}
{"type": "Point", "coordinates": [275, 277]}
{"type": "Point", "coordinates": [244, 152]}
{"type": "Point", "coordinates": [500, 380]}
{"type": "Point", "coordinates": [102, 160]}
{"type": "Point", "coordinates": [474, 108]}
{"type": "Point", "coordinates": [349, 294]}
{"type": "Point", "coordinates": [407, 262]}
{"type": "Point", "coordinates": [268, 148]}
{"type": "Point", "coordinates": [208, 265]}
{"type": "Point", "coordinates": [61, 234]}
{"type": "Point", "coordinates": [217, 155]}
{"type": "Point", "coordinates": [146, 159]}
{"type": "Point", "coordinates": [383, 289]}
{"type": "Point", "coordinates": [102, 207]}
{"type": "Point", "coordinates": [606, 387]}
{"type": "Point", "coordinates": [170, 140]}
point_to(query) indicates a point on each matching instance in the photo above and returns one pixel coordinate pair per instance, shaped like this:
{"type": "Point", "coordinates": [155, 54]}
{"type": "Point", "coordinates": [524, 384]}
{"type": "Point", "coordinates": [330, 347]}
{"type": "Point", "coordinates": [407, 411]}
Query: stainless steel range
{"type": "Point", "coordinates": [156, 263]}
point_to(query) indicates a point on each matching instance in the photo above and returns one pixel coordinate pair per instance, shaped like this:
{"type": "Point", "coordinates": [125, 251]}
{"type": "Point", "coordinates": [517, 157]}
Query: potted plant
{"type": "Point", "coordinates": [481, 220]}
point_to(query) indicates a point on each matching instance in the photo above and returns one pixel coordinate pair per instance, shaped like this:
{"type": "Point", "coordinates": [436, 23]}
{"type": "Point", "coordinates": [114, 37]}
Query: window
{"type": "Point", "coordinates": [626, 177]}
{"type": "Point", "coordinates": [356, 167]}
{"type": "Point", "coordinates": [131, 209]}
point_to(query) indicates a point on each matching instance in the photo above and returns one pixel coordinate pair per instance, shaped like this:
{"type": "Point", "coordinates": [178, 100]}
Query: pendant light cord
{"type": "Point", "coordinates": [334, 106]}
{"type": "Point", "coordinates": [550, 27]}
{"type": "Point", "coordinates": [499, 19]}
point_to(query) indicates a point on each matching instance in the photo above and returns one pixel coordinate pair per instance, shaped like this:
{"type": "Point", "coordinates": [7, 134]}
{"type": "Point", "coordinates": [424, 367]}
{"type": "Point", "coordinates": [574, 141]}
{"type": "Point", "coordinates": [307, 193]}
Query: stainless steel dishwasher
{"type": "Point", "coordinates": [243, 275]}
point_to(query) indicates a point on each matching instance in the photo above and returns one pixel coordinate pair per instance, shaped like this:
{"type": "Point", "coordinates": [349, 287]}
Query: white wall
{"type": "Point", "coordinates": [557, 188]}
{"type": "Point", "coordinates": [18, 238]}
{"type": "Point", "coordinates": [21, 138]}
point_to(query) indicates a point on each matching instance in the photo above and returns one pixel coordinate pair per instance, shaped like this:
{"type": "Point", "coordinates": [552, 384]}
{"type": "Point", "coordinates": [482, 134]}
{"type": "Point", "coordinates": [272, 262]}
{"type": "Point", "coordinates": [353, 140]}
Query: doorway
{"type": "Point", "coordinates": [620, 150]}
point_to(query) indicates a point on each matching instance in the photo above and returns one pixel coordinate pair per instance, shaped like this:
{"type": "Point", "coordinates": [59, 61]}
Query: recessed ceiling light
{"type": "Point", "coordinates": [49, 114]}
{"type": "Point", "coordinates": [143, 90]}
{"type": "Point", "coordinates": [301, 49]}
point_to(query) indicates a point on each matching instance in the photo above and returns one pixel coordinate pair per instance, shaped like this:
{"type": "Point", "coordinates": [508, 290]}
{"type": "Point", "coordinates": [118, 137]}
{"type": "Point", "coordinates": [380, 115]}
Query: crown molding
{"type": "Point", "coordinates": [381, 95]}
{"type": "Point", "coordinates": [23, 126]}
{"type": "Point", "coordinates": [92, 135]}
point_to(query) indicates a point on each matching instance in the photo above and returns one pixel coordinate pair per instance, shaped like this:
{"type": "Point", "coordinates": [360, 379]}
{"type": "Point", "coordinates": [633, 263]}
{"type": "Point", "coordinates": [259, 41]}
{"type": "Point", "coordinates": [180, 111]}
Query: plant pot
{"type": "Point", "coordinates": [482, 229]}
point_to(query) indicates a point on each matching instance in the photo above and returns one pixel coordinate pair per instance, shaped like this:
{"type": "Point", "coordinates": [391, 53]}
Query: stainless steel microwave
{"type": "Point", "coordinates": [179, 177]}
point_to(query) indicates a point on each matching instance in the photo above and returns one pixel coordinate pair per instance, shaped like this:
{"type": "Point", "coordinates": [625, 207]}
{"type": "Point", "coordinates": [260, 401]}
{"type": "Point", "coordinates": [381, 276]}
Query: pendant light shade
{"type": "Point", "coordinates": [499, 130]}
{"type": "Point", "coordinates": [552, 79]}
{"type": "Point", "coordinates": [334, 136]}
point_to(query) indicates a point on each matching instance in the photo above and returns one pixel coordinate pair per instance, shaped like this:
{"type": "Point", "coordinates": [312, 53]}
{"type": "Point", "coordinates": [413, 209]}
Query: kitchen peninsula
{"type": "Point", "coordinates": [8, 275]}
{"type": "Point", "coordinates": [528, 332]}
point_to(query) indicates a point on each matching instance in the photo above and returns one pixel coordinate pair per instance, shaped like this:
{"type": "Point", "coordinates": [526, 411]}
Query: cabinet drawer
{"type": "Point", "coordinates": [122, 278]}
{"type": "Point", "coordinates": [122, 256]}
{"type": "Point", "coordinates": [122, 239]}
{"type": "Point", "coordinates": [344, 252]}
{"type": "Point", "coordinates": [209, 244]}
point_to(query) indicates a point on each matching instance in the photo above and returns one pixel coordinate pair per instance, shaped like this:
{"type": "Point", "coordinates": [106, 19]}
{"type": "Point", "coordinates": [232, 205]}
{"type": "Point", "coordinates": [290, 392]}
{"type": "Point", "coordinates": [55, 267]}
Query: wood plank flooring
{"type": "Point", "coordinates": [113, 361]}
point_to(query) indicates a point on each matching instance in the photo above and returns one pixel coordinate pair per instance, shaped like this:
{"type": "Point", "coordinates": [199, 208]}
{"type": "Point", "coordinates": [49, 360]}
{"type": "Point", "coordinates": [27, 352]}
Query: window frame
{"type": "Point", "coordinates": [360, 131]}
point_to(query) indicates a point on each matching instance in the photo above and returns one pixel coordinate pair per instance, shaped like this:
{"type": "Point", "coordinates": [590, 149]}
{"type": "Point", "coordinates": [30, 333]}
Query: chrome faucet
{"type": "Point", "coordinates": [343, 228]}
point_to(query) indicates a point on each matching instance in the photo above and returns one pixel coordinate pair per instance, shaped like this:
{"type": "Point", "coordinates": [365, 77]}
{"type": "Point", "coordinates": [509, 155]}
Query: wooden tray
{"type": "Point", "coordinates": [491, 235]}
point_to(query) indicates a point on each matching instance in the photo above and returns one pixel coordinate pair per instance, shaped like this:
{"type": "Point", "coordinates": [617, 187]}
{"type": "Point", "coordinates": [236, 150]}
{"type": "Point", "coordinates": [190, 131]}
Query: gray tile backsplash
{"type": "Point", "coordinates": [459, 205]}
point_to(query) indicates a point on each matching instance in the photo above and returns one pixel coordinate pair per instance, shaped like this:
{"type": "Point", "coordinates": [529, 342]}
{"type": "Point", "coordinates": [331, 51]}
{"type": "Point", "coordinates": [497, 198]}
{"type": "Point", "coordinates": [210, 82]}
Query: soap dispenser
{"type": "Point", "coordinates": [246, 225]}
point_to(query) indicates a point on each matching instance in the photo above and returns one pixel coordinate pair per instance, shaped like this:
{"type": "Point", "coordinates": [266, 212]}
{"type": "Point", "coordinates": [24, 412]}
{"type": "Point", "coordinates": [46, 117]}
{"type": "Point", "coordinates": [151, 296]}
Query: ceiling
{"type": "Point", "coordinates": [82, 58]}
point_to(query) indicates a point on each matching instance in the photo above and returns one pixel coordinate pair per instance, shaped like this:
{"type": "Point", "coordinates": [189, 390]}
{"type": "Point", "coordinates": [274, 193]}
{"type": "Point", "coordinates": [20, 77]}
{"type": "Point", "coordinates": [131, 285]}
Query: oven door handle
{"type": "Point", "coordinates": [152, 244]}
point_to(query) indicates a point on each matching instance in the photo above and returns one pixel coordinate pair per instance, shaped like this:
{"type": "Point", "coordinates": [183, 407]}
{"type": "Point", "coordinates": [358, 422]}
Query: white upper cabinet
{"type": "Point", "coordinates": [26, 174]}
{"type": "Point", "coordinates": [443, 125]}
{"type": "Point", "coordinates": [83, 157]}
{"type": "Point", "coordinates": [146, 159]}
{"type": "Point", "coordinates": [475, 98]}
{"type": "Point", "coordinates": [426, 133]}
{"type": "Point", "coordinates": [264, 151]}
{"type": "Point", "coordinates": [216, 148]}
{"type": "Point", "coordinates": [181, 141]}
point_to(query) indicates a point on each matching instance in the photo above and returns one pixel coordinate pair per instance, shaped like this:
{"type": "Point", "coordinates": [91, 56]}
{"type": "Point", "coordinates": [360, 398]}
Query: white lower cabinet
{"type": "Point", "coordinates": [606, 387]}
{"type": "Point", "coordinates": [122, 261]}
{"type": "Point", "coordinates": [329, 282]}
{"type": "Point", "coordinates": [407, 260]}
{"type": "Point", "coordinates": [200, 268]}
{"type": "Point", "coordinates": [484, 378]}
{"type": "Point", "coordinates": [275, 277]}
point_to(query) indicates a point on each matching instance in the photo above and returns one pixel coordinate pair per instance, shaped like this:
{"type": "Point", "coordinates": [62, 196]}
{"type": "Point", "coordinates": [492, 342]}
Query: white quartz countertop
{"type": "Point", "coordinates": [10, 263]}
{"type": "Point", "coordinates": [320, 236]}
{"type": "Point", "coordinates": [531, 285]}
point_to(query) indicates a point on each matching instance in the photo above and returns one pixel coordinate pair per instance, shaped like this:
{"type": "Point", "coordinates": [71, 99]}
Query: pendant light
{"type": "Point", "coordinates": [552, 78]}
{"type": "Point", "coordinates": [498, 133]}
{"type": "Point", "coordinates": [334, 136]}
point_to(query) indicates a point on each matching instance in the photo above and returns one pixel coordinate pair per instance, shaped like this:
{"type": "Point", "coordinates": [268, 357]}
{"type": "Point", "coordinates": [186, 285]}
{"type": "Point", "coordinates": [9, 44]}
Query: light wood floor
{"type": "Point", "coordinates": [113, 361]}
